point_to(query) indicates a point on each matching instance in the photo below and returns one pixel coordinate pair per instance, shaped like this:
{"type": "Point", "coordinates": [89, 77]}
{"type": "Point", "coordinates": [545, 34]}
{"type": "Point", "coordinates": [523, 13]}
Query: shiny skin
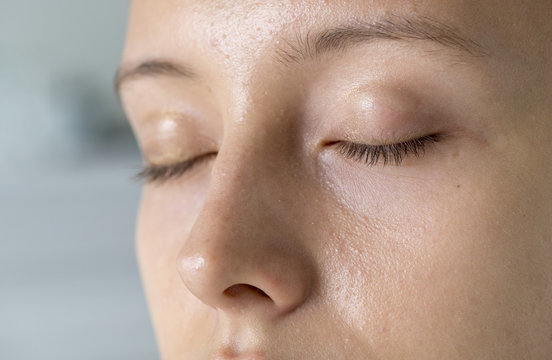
{"type": "Point", "coordinates": [282, 248]}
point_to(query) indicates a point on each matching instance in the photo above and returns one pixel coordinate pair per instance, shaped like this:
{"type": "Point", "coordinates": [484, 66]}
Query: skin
{"type": "Point", "coordinates": [280, 247]}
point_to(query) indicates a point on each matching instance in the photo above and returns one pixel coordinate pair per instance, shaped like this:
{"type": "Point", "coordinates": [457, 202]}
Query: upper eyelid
{"type": "Point", "coordinates": [161, 173]}
{"type": "Point", "coordinates": [371, 154]}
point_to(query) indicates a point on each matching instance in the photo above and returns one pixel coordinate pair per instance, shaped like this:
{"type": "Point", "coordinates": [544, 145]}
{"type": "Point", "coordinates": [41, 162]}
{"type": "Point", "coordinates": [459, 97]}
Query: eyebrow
{"type": "Point", "coordinates": [151, 68]}
{"type": "Point", "coordinates": [330, 40]}
{"type": "Point", "coordinates": [393, 28]}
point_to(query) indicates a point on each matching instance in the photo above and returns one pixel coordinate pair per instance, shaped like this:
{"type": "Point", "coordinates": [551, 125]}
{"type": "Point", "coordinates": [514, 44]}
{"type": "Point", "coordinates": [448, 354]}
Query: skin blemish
{"type": "Point", "coordinates": [215, 43]}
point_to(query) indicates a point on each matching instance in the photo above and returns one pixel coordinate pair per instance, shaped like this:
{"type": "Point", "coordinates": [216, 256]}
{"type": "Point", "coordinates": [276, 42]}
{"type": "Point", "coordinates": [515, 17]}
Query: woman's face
{"type": "Point", "coordinates": [370, 180]}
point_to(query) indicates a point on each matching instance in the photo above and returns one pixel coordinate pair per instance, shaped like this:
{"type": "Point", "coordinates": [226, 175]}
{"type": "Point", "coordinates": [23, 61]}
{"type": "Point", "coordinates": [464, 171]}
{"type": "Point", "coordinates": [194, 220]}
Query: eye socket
{"type": "Point", "coordinates": [388, 153]}
{"type": "Point", "coordinates": [162, 173]}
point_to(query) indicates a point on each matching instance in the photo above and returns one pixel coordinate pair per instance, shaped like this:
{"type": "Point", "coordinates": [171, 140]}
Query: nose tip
{"type": "Point", "coordinates": [242, 253]}
{"type": "Point", "coordinates": [234, 283]}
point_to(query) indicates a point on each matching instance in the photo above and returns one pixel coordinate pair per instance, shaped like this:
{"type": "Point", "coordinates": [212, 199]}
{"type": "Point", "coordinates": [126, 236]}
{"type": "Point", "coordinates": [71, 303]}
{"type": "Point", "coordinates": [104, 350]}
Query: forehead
{"type": "Point", "coordinates": [242, 27]}
{"type": "Point", "coordinates": [233, 37]}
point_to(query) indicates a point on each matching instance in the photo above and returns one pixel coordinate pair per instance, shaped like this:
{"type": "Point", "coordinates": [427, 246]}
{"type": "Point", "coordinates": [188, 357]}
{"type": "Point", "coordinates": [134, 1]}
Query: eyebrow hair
{"type": "Point", "coordinates": [151, 68]}
{"type": "Point", "coordinates": [392, 28]}
{"type": "Point", "coordinates": [334, 39]}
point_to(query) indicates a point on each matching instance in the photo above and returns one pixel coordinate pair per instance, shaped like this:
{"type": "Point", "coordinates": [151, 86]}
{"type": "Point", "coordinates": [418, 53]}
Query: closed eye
{"type": "Point", "coordinates": [388, 153]}
{"type": "Point", "coordinates": [365, 153]}
{"type": "Point", "coordinates": [161, 173]}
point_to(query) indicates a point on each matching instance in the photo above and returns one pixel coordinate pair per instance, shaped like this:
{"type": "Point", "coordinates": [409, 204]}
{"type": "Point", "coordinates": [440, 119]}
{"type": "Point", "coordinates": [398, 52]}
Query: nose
{"type": "Point", "coordinates": [242, 253]}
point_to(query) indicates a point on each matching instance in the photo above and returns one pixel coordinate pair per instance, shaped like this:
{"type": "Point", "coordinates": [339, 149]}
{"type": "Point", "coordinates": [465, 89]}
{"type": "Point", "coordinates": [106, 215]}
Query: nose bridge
{"type": "Point", "coordinates": [255, 156]}
{"type": "Point", "coordinates": [241, 181]}
{"type": "Point", "coordinates": [238, 171]}
{"type": "Point", "coordinates": [240, 252]}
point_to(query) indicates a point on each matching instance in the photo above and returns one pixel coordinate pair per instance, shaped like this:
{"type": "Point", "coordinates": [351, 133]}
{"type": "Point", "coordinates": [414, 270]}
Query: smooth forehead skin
{"type": "Point", "coordinates": [281, 247]}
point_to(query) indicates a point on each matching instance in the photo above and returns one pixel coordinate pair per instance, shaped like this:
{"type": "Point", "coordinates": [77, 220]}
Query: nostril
{"type": "Point", "coordinates": [244, 289]}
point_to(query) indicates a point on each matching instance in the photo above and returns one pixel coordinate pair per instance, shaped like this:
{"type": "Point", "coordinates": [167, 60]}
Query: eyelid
{"type": "Point", "coordinates": [152, 173]}
{"type": "Point", "coordinates": [371, 154]}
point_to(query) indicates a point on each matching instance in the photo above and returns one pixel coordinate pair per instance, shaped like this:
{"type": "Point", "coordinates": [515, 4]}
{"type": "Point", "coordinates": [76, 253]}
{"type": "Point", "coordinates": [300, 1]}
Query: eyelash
{"type": "Point", "coordinates": [395, 153]}
{"type": "Point", "coordinates": [368, 154]}
{"type": "Point", "coordinates": [161, 173]}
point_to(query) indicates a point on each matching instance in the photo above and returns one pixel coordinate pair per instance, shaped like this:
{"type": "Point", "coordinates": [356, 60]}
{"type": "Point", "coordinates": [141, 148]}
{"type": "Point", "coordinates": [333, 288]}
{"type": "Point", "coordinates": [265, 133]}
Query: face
{"type": "Point", "coordinates": [344, 179]}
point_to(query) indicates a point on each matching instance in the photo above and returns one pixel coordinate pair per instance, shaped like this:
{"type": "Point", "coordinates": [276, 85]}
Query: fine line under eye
{"type": "Point", "coordinates": [388, 153]}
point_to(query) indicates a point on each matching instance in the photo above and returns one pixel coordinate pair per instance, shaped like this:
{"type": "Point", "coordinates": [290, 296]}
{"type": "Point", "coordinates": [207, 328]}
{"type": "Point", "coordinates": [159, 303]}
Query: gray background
{"type": "Point", "coordinates": [69, 285]}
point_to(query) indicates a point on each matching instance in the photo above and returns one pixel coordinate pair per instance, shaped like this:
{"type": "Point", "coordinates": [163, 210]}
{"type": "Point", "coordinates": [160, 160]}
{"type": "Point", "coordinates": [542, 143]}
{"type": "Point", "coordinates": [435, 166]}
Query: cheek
{"type": "Point", "coordinates": [440, 261]}
{"type": "Point", "coordinates": [180, 321]}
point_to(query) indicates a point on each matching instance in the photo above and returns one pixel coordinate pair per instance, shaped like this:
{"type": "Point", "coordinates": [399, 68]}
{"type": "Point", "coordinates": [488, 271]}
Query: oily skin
{"type": "Point", "coordinates": [445, 256]}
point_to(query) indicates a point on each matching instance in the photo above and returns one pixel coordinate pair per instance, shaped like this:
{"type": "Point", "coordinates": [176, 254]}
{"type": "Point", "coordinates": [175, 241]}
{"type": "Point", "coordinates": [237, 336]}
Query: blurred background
{"type": "Point", "coordinates": [69, 284]}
